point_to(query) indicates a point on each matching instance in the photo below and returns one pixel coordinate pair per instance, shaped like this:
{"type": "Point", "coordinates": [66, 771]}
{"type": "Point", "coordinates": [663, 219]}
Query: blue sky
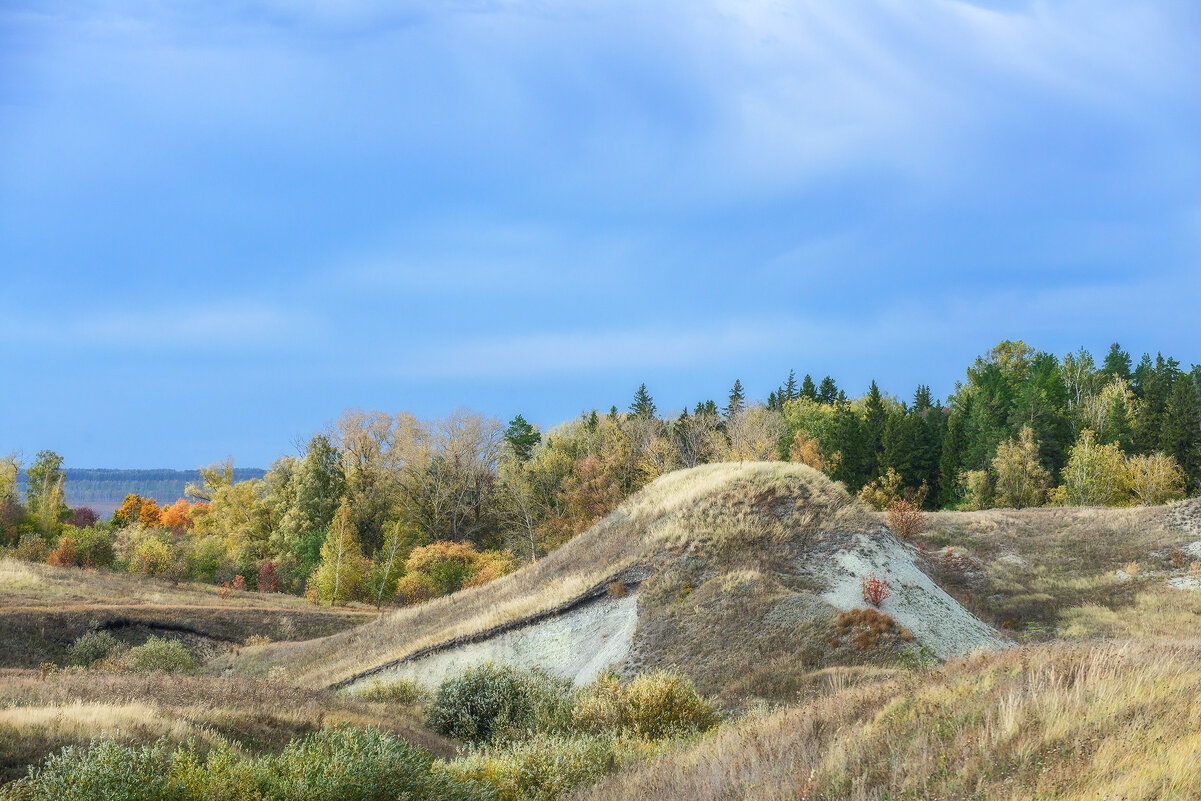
{"type": "Point", "coordinates": [223, 223]}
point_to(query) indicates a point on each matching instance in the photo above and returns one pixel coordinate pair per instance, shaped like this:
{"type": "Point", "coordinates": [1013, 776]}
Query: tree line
{"type": "Point", "coordinates": [381, 506]}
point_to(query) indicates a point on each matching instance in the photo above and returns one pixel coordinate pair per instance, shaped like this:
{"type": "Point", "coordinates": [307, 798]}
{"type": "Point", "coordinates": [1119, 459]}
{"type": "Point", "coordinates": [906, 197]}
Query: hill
{"type": "Point", "coordinates": [735, 573]}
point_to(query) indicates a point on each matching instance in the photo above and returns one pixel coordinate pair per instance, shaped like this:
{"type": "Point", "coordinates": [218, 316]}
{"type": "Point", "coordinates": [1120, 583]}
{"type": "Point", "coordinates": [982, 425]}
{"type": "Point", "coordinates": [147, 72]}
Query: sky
{"type": "Point", "coordinates": [221, 224]}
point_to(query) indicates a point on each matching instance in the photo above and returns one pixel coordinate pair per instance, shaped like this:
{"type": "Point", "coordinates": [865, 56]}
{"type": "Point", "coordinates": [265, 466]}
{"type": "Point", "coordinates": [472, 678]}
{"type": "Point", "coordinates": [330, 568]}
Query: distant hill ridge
{"type": "Point", "coordinates": [103, 489]}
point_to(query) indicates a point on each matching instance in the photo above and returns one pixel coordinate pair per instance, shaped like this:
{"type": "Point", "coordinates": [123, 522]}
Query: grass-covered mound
{"type": "Point", "coordinates": [737, 525]}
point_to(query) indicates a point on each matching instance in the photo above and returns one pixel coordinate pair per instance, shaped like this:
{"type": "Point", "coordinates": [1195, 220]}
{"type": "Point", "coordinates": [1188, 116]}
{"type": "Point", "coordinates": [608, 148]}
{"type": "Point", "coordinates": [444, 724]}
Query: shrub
{"type": "Point", "coordinates": [95, 547]}
{"type": "Point", "coordinates": [906, 518]}
{"type": "Point", "coordinates": [542, 768]}
{"type": "Point", "coordinates": [652, 706]}
{"type": "Point", "coordinates": [876, 590]}
{"type": "Point", "coordinates": [83, 517]}
{"type": "Point", "coordinates": [66, 554]}
{"type": "Point", "coordinates": [32, 547]}
{"type": "Point", "coordinates": [92, 647]}
{"type": "Point", "coordinates": [415, 588]}
{"type": "Point", "coordinates": [357, 765]}
{"type": "Point", "coordinates": [268, 577]}
{"type": "Point", "coordinates": [158, 654]}
{"type": "Point", "coordinates": [104, 770]}
{"type": "Point", "coordinates": [331, 764]}
{"type": "Point", "coordinates": [151, 557]}
{"type": "Point", "coordinates": [448, 564]}
{"type": "Point", "coordinates": [396, 691]}
{"type": "Point", "coordinates": [490, 566]}
{"type": "Point", "coordinates": [497, 700]}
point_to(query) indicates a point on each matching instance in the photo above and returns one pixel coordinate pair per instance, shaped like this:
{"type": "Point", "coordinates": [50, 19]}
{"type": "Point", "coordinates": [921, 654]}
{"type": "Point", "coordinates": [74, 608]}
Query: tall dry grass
{"type": "Point", "coordinates": [1058, 722]}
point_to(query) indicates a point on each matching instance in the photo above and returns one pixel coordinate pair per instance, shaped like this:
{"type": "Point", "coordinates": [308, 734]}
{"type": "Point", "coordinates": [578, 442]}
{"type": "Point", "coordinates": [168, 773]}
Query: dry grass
{"type": "Point", "coordinates": [46, 608]}
{"type": "Point", "coordinates": [1035, 566]}
{"type": "Point", "coordinates": [39, 716]}
{"type": "Point", "coordinates": [1055, 722]}
{"type": "Point", "coordinates": [716, 512]}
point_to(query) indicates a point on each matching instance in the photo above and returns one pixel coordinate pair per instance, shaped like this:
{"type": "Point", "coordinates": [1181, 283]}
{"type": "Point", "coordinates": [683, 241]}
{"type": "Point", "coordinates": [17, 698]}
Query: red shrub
{"type": "Point", "coordinates": [876, 590]}
{"type": "Point", "coordinates": [906, 518]}
{"type": "Point", "coordinates": [268, 577]}
{"type": "Point", "coordinates": [239, 584]}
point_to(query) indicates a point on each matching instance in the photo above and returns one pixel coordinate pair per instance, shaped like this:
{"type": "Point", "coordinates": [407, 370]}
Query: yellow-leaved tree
{"type": "Point", "coordinates": [1019, 478]}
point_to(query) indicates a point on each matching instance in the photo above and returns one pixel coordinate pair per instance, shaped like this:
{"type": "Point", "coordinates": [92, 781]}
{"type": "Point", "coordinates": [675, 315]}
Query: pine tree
{"type": "Point", "coordinates": [828, 392]}
{"type": "Point", "coordinates": [643, 405]}
{"type": "Point", "coordinates": [808, 390]}
{"type": "Point", "coordinates": [737, 400]}
{"type": "Point", "coordinates": [954, 446]}
{"type": "Point", "coordinates": [1117, 362]}
{"type": "Point", "coordinates": [522, 438]}
{"type": "Point", "coordinates": [1181, 434]}
{"type": "Point", "coordinates": [773, 400]}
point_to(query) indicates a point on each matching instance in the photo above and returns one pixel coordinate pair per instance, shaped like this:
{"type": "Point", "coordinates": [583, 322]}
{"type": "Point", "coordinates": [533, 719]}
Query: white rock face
{"type": "Point", "coordinates": [576, 645]}
{"type": "Point", "coordinates": [936, 619]}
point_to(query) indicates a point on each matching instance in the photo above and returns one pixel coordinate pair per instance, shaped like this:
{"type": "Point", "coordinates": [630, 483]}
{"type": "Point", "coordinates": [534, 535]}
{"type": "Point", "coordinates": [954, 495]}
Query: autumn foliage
{"type": "Point", "coordinates": [906, 518]}
{"type": "Point", "coordinates": [876, 589]}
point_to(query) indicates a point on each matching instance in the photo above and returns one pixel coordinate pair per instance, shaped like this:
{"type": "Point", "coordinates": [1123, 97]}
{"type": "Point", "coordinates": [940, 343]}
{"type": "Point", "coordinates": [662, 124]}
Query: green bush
{"type": "Point", "coordinates": [104, 771]}
{"type": "Point", "coordinates": [652, 706]}
{"type": "Point", "coordinates": [541, 768]}
{"type": "Point", "coordinates": [396, 691]}
{"type": "Point", "coordinates": [158, 654]}
{"type": "Point", "coordinates": [493, 701]}
{"type": "Point", "coordinates": [358, 765]}
{"type": "Point", "coordinates": [94, 546]}
{"type": "Point", "coordinates": [329, 765]}
{"type": "Point", "coordinates": [90, 648]}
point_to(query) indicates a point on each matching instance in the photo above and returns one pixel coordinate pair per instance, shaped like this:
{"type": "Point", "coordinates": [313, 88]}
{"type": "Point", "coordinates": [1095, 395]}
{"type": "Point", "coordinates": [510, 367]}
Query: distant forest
{"type": "Point", "coordinates": [104, 489]}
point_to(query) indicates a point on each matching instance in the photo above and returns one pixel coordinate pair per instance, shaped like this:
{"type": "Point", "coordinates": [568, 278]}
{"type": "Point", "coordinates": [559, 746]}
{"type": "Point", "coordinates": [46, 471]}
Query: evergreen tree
{"type": "Point", "coordinates": [808, 390]}
{"type": "Point", "coordinates": [1181, 435]}
{"type": "Point", "coordinates": [643, 405]}
{"type": "Point", "coordinates": [737, 400]}
{"type": "Point", "coordinates": [954, 449]}
{"type": "Point", "coordinates": [875, 419]}
{"type": "Point", "coordinates": [847, 438]}
{"type": "Point", "coordinates": [1152, 386]}
{"type": "Point", "coordinates": [593, 420]}
{"type": "Point", "coordinates": [1117, 362]}
{"type": "Point", "coordinates": [790, 388]}
{"type": "Point", "coordinates": [522, 438]}
{"type": "Point", "coordinates": [773, 401]}
{"type": "Point", "coordinates": [828, 392]}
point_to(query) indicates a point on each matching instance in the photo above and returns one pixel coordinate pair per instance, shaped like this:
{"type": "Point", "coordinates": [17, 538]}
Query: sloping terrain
{"type": "Point", "coordinates": [737, 573]}
{"type": "Point", "coordinates": [46, 608]}
{"type": "Point", "coordinates": [1071, 722]}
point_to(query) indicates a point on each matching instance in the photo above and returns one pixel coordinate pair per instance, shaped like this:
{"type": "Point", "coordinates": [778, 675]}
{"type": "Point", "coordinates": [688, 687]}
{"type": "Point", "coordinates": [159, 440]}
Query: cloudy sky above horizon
{"type": "Point", "coordinates": [223, 223]}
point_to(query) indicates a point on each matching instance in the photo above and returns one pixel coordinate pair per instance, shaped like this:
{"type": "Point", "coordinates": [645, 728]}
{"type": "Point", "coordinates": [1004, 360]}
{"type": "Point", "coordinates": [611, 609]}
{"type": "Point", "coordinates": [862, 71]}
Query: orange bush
{"type": "Point", "coordinates": [876, 590]}
{"type": "Point", "coordinates": [906, 518]}
{"type": "Point", "coordinates": [66, 554]}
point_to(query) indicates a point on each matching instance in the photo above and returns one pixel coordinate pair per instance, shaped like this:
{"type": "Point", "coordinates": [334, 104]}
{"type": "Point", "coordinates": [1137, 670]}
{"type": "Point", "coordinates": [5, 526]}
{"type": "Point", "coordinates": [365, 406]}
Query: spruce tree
{"type": "Point", "coordinates": [773, 400]}
{"type": "Point", "coordinates": [737, 400]}
{"type": "Point", "coordinates": [643, 405]}
{"type": "Point", "coordinates": [790, 388]}
{"type": "Point", "coordinates": [1181, 435]}
{"type": "Point", "coordinates": [875, 419]}
{"type": "Point", "coordinates": [1117, 362]}
{"type": "Point", "coordinates": [808, 390]}
{"type": "Point", "coordinates": [827, 393]}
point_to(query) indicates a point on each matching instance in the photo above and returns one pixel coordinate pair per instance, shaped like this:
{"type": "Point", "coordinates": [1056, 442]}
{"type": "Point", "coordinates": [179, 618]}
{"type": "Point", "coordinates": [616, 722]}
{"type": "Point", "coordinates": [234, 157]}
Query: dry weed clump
{"type": "Point", "coordinates": [865, 628]}
{"type": "Point", "coordinates": [906, 518]}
